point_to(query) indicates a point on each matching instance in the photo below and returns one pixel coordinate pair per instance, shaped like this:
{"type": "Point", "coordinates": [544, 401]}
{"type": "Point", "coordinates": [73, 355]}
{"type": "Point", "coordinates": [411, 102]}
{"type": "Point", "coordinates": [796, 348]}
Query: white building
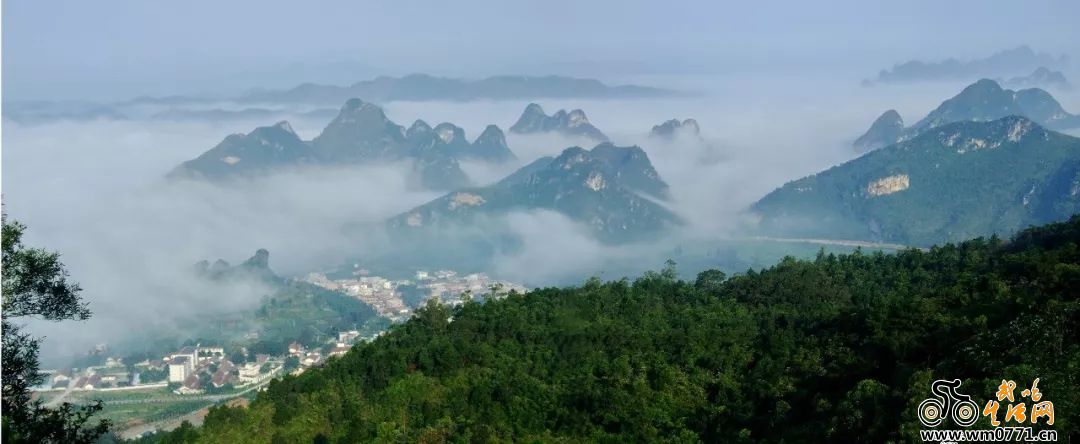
{"type": "Point", "coordinates": [209, 353]}
{"type": "Point", "coordinates": [347, 337]}
{"type": "Point", "coordinates": [249, 372]}
{"type": "Point", "coordinates": [180, 368]}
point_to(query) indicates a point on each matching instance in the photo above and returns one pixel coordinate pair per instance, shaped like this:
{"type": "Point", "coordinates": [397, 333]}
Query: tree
{"type": "Point", "coordinates": [291, 363]}
{"type": "Point", "coordinates": [35, 286]}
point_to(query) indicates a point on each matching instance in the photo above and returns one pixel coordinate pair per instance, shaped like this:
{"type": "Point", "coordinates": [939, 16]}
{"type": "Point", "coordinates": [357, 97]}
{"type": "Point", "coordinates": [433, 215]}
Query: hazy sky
{"type": "Point", "coordinates": [105, 49]}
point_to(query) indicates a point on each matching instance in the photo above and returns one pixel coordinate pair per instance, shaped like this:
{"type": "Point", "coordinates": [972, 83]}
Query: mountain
{"type": "Point", "coordinates": [288, 310]}
{"type": "Point", "coordinates": [986, 100]}
{"type": "Point", "coordinates": [256, 267]}
{"type": "Point", "coordinates": [1008, 62]}
{"type": "Point", "coordinates": [422, 87]}
{"type": "Point", "coordinates": [783, 354]}
{"type": "Point", "coordinates": [981, 101]}
{"type": "Point", "coordinates": [490, 145]}
{"type": "Point", "coordinates": [610, 189]}
{"type": "Point", "coordinates": [360, 133]}
{"type": "Point", "coordinates": [574, 123]}
{"type": "Point", "coordinates": [955, 181]}
{"type": "Point", "coordinates": [886, 130]}
{"type": "Point", "coordinates": [674, 128]}
{"type": "Point", "coordinates": [1042, 77]}
{"type": "Point", "coordinates": [265, 148]}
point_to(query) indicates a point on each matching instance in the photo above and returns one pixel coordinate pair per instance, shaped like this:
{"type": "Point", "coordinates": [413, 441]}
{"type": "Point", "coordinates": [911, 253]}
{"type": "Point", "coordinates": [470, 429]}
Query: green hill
{"type": "Point", "coordinates": [836, 349]}
{"type": "Point", "coordinates": [954, 182]}
{"type": "Point", "coordinates": [602, 188]}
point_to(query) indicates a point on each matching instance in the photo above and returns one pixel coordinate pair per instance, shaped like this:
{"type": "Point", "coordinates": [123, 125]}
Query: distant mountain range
{"type": "Point", "coordinates": [612, 190]}
{"type": "Point", "coordinates": [1009, 62]}
{"type": "Point", "coordinates": [360, 134]}
{"type": "Point", "coordinates": [983, 100]}
{"type": "Point", "coordinates": [420, 87]}
{"type": "Point", "coordinates": [1042, 77]}
{"type": "Point", "coordinates": [574, 123]}
{"type": "Point", "coordinates": [257, 104]}
{"type": "Point", "coordinates": [253, 113]}
{"type": "Point", "coordinates": [951, 181]}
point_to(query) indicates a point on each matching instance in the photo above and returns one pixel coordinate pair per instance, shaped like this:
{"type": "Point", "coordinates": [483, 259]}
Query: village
{"type": "Point", "coordinates": [396, 299]}
{"type": "Point", "coordinates": [197, 369]}
{"type": "Point", "coordinates": [208, 369]}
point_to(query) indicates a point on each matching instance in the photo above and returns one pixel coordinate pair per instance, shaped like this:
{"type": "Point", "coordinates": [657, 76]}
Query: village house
{"type": "Point", "coordinates": [89, 383]}
{"type": "Point", "coordinates": [311, 359]}
{"type": "Point", "coordinates": [339, 350]}
{"type": "Point", "coordinates": [223, 375]}
{"type": "Point", "coordinates": [249, 372]}
{"type": "Point", "coordinates": [61, 379]}
{"type": "Point", "coordinates": [180, 368]}
{"type": "Point", "coordinates": [191, 386]}
{"type": "Point", "coordinates": [210, 353]}
{"type": "Point", "coordinates": [348, 337]}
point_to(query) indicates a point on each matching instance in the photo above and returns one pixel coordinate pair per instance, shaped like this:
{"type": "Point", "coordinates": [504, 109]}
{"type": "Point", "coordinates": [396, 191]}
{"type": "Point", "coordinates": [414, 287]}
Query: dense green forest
{"type": "Point", "coordinates": [840, 348]}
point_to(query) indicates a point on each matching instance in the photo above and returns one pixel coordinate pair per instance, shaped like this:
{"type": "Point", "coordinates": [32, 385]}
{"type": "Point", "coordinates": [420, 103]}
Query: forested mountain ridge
{"type": "Point", "coordinates": [840, 348]}
{"type": "Point", "coordinates": [601, 188]}
{"type": "Point", "coordinates": [982, 101]}
{"type": "Point", "coordinates": [950, 183]}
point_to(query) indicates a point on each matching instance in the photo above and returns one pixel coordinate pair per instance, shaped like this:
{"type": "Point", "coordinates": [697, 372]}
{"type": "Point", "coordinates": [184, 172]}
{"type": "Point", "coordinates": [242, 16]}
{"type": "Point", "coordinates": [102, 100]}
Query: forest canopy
{"type": "Point", "coordinates": [840, 347]}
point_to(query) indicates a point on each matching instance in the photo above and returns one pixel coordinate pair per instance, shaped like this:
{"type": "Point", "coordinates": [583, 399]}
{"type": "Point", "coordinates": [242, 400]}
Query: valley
{"type": "Point", "coordinates": [488, 222]}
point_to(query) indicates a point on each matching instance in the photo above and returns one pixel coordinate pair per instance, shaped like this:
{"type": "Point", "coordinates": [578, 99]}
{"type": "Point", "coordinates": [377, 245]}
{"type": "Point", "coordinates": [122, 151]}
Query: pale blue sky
{"type": "Point", "coordinates": [76, 49]}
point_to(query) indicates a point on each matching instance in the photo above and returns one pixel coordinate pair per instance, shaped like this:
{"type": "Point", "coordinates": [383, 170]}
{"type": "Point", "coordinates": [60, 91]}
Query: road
{"type": "Point", "coordinates": [207, 398]}
{"type": "Point", "coordinates": [837, 242]}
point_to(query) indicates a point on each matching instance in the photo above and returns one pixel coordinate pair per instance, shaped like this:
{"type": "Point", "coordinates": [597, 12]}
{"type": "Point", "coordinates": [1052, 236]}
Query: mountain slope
{"type": "Point", "coordinates": [360, 132]}
{"type": "Point", "coordinates": [981, 101]}
{"type": "Point", "coordinates": [574, 123]}
{"type": "Point", "coordinates": [836, 349]}
{"type": "Point", "coordinates": [289, 310]}
{"type": "Point", "coordinates": [886, 130]}
{"type": "Point", "coordinates": [603, 188]}
{"type": "Point", "coordinates": [956, 181]}
{"type": "Point", "coordinates": [265, 148]}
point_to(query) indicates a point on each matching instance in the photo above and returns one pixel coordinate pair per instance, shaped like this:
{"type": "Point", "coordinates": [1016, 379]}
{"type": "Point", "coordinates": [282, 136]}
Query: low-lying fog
{"type": "Point", "coordinates": [94, 190]}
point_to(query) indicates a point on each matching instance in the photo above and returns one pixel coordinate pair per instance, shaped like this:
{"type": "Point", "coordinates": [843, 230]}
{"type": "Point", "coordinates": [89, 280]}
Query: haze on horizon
{"type": "Point", "coordinates": [112, 50]}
